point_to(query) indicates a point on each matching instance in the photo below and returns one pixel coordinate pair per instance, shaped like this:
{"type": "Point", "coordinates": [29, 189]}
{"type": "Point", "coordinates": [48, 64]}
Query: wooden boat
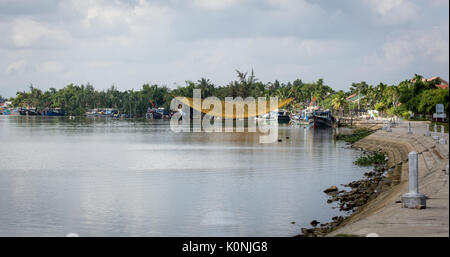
{"type": "Point", "coordinates": [103, 112]}
{"type": "Point", "coordinates": [29, 111]}
{"type": "Point", "coordinates": [53, 112]}
{"type": "Point", "coordinates": [156, 114]}
{"type": "Point", "coordinates": [321, 119]}
{"type": "Point", "coordinates": [283, 116]}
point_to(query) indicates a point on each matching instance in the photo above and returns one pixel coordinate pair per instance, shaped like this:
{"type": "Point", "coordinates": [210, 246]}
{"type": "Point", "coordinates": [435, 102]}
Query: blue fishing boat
{"type": "Point", "coordinates": [53, 112]}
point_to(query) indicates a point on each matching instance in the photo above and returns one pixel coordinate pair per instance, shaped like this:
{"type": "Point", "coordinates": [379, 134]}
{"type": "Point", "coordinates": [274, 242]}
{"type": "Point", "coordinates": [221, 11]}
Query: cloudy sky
{"type": "Point", "coordinates": [52, 43]}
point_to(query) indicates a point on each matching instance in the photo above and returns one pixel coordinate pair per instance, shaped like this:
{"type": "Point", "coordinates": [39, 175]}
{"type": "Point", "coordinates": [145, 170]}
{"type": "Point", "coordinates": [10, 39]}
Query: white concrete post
{"type": "Point", "coordinates": [409, 128]}
{"type": "Point", "coordinates": [388, 128]}
{"type": "Point", "coordinates": [413, 199]}
{"type": "Point", "coordinates": [427, 131]}
{"type": "Point", "coordinates": [435, 134]}
{"type": "Point", "coordinates": [442, 140]}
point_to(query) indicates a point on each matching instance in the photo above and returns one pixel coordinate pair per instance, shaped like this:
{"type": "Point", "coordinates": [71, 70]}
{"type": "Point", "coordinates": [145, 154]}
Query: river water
{"type": "Point", "coordinates": [105, 177]}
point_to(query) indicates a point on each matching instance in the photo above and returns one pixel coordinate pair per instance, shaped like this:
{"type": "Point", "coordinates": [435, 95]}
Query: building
{"type": "Point", "coordinates": [354, 98]}
{"type": "Point", "coordinates": [5, 104]}
{"type": "Point", "coordinates": [441, 82]}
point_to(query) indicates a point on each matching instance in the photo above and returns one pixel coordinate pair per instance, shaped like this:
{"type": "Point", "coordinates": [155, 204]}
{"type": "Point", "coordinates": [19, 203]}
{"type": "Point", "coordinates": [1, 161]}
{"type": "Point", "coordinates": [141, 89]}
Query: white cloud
{"type": "Point", "coordinates": [440, 3]}
{"type": "Point", "coordinates": [298, 9]}
{"type": "Point", "coordinates": [15, 66]}
{"type": "Point", "coordinates": [50, 66]}
{"type": "Point", "coordinates": [393, 11]}
{"type": "Point", "coordinates": [127, 24]}
{"type": "Point", "coordinates": [26, 32]}
{"type": "Point", "coordinates": [128, 43]}
{"type": "Point", "coordinates": [215, 4]}
{"type": "Point", "coordinates": [406, 49]}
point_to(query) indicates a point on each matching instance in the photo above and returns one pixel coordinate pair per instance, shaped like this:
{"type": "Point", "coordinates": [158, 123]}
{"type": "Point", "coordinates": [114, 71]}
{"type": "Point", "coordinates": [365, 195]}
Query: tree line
{"type": "Point", "coordinates": [410, 96]}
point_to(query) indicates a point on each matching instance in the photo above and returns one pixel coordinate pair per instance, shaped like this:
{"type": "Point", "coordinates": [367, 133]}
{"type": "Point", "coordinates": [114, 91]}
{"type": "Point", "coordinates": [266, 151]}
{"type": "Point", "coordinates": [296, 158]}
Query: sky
{"type": "Point", "coordinates": [52, 43]}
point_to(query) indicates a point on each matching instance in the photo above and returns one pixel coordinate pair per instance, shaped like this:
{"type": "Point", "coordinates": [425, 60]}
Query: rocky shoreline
{"type": "Point", "coordinates": [358, 194]}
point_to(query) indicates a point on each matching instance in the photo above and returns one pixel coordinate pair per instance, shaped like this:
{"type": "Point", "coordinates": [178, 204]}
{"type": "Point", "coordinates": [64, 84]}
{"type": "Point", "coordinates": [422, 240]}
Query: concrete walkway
{"type": "Point", "coordinates": [384, 215]}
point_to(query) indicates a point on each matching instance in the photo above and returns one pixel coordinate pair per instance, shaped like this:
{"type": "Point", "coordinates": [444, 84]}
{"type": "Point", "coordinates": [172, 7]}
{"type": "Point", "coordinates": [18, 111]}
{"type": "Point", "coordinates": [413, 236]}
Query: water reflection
{"type": "Point", "coordinates": [104, 177]}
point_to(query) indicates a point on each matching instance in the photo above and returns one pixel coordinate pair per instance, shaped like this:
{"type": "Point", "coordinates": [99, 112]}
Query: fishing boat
{"type": "Point", "coordinates": [103, 112]}
{"type": "Point", "coordinates": [282, 116]}
{"type": "Point", "coordinates": [156, 114]}
{"type": "Point", "coordinates": [58, 112]}
{"type": "Point", "coordinates": [29, 111]}
{"type": "Point", "coordinates": [321, 119]}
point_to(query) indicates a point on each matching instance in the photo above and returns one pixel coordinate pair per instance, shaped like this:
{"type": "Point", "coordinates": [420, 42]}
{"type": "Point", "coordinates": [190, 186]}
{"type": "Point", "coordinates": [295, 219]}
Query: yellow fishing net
{"type": "Point", "coordinates": [241, 109]}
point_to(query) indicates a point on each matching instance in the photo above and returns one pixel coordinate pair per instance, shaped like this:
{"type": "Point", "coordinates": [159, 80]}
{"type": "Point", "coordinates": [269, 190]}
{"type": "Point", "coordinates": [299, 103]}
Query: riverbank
{"type": "Point", "coordinates": [384, 215]}
{"type": "Point", "coordinates": [352, 196]}
{"type": "Point", "coordinates": [374, 203]}
{"type": "Point", "coordinates": [349, 201]}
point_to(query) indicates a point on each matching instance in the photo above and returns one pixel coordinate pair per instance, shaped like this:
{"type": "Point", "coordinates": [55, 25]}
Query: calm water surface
{"type": "Point", "coordinates": [124, 178]}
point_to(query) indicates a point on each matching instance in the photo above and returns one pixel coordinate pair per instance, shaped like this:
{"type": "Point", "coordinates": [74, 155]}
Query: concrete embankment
{"type": "Point", "coordinates": [384, 214]}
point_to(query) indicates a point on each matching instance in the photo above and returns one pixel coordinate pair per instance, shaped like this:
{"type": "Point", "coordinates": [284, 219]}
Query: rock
{"type": "Point", "coordinates": [369, 174]}
{"type": "Point", "coordinates": [360, 202]}
{"type": "Point", "coordinates": [279, 140]}
{"type": "Point", "coordinates": [287, 137]}
{"type": "Point", "coordinates": [350, 200]}
{"type": "Point", "coordinates": [330, 189]}
{"type": "Point", "coordinates": [354, 184]}
{"type": "Point", "coordinates": [308, 232]}
{"type": "Point", "coordinates": [314, 223]}
{"type": "Point", "coordinates": [333, 193]}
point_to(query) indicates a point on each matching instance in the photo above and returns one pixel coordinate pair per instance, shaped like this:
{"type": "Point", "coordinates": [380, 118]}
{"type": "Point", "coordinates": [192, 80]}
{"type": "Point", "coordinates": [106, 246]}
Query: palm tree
{"type": "Point", "coordinates": [339, 101]}
{"type": "Point", "coordinates": [206, 86]}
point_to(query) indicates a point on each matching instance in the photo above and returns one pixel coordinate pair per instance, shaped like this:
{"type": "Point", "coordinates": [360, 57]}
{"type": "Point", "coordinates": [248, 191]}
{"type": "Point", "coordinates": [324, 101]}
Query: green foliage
{"type": "Point", "coordinates": [417, 96]}
{"type": "Point", "coordinates": [390, 111]}
{"type": "Point", "coordinates": [406, 115]}
{"type": "Point", "coordinates": [445, 124]}
{"type": "Point", "coordinates": [380, 106]}
{"type": "Point", "coordinates": [345, 235]}
{"type": "Point", "coordinates": [367, 159]}
{"type": "Point", "coordinates": [357, 134]}
{"type": "Point", "coordinates": [339, 100]}
{"type": "Point", "coordinates": [429, 99]}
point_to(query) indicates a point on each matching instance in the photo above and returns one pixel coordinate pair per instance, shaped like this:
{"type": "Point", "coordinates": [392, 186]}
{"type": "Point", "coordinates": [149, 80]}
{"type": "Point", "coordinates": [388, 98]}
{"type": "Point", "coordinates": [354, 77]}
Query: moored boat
{"type": "Point", "coordinates": [321, 119]}
{"type": "Point", "coordinates": [103, 112]}
{"type": "Point", "coordinates": [156, 114]}
{"type": "Point", "coordinates": [29, 111]}
{"type": "Point", "coordinates": [283, 116]}
{"type": "Point", "coordinates": [53, 112]}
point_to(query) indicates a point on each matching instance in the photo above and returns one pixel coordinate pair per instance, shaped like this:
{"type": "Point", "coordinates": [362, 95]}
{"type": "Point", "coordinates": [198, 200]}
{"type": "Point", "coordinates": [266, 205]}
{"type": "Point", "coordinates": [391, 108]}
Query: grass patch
{"type": "Point", "coordinates": [355, 136]}
{"type": "Point", "coordinates": [445, 124]}
{"type": "Point", "coordinates": [345, 235]}
{"type": "Point", "coordinates": [367, 159]}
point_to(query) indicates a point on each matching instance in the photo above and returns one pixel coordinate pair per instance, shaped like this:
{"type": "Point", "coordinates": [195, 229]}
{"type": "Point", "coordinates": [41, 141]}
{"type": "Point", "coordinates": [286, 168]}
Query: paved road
{"type": "Point", "coordinates": [384, 215]}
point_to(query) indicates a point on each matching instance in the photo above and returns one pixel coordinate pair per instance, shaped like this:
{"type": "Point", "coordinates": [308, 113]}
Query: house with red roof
{"type": "Point", "coordinates": [441, 82]}
{"type": "Point", "coordinates": [355, 97]}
